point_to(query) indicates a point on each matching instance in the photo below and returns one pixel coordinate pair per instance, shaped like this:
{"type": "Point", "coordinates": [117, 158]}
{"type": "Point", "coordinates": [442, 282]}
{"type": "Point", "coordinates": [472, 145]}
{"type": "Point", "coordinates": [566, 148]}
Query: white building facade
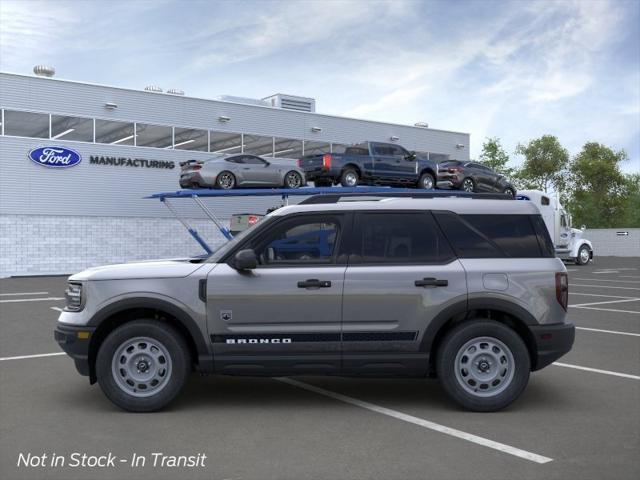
{"type": "Point", "coordinates": [129, 144]}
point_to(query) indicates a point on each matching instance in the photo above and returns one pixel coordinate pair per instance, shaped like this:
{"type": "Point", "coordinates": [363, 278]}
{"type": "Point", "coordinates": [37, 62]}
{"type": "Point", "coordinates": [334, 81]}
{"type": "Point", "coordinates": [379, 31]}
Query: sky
{"type": "Point", "coordinates": [509, 69]}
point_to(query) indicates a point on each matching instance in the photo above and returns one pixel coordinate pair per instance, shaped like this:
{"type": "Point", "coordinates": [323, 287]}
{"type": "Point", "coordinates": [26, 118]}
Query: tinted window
{"type": "Point", "coordinates": [544, 240]}
{"type": "Point", "coordinates": [71, 128]}
{"type": "Point", "coordinates": [513, 234]}
{"type": "Point", "coordinates": [26, 124]}
{"type": "Point", "coordinates": [305, 241]}
{"type": "Point", "coordinates": [395, 237]}
{"type": "Point", "coordinates": [238, 159]}
{"type": "Point", "coordinates": [253, 160]}
{"type": "Point", "coordinates": [467, 241]}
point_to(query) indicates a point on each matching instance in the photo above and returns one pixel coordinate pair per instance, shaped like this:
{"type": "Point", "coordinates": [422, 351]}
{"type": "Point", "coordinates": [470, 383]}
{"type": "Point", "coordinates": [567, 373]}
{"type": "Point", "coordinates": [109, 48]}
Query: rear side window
{"type": "Point", "coordinates": [492, 236]}
{"type": "Point", "coordinates": [544, 239]}
{"type": "Point", "coordinates": [399, 238]}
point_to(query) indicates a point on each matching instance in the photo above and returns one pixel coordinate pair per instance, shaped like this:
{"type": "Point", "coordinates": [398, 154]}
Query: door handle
{"type": "Point", "coordinates": [314, 283]}
{"type": "Point", "coordinates": [431, 282]}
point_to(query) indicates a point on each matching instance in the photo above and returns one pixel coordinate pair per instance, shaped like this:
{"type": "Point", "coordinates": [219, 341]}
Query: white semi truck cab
{"type": "Point", "coordinates": [569, 242]}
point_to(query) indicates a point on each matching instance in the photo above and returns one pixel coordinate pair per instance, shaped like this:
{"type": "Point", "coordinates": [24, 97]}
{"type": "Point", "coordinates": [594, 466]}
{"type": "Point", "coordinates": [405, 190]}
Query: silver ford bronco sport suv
{"type": "Point", "coordinates": [464, 289]}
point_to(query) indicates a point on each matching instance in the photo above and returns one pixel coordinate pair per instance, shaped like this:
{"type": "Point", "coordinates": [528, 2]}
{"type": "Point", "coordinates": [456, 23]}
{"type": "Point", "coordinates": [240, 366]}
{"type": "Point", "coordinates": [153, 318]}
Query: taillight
{"type": "Point", "coordinates": [454, 170]}
{"type": "Point", "coordinates": [196, 167]}
{"type": "Point", "coordinates": [299, 162]}
{"type": "Point", "coordinates": [326, 161]}
{"type": "Point", "coordinates": [252, 220]}
{"type": "Point", "coordinates": [562, 289]}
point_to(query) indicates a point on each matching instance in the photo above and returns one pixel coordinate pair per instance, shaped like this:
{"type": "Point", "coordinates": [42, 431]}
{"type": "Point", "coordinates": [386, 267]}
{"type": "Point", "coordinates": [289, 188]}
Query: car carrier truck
{"type": "Point", "coordinates": [569, 242]}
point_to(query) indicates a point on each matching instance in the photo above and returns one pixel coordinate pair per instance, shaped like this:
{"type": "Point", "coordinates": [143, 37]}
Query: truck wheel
{"type": "Point", "coordinates": [483, 365]}
{"type": "Point", "coordinates": [142, 365]}
{"type": "Point", "coordinates": [225, 180]}
{"type": "Point", "coordinates": [584, 255]}
{"type": "Point", "coordinates": [349, 178]}
{"type": "Point", "coordinates": [426, 181]}
{"type": "Point", "coordinates": [468, 185]}
{"type": "Point", "coordinates": [509, 191]}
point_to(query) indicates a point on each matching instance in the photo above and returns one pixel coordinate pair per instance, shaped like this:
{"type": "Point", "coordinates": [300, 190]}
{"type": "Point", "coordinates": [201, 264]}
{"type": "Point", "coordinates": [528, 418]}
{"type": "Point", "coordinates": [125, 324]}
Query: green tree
{"type": "Point", "coordinates": [598, 192]}
{"type": "Point", "coordinates": [545, 164]}
{"type": "Point", "coordinates": [631, 212]}
{"type": "Point", "coordinates": [495, 157]}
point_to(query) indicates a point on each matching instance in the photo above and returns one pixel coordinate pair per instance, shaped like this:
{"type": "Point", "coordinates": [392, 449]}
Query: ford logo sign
{"type": "Point", "coordinates": [55, 157]}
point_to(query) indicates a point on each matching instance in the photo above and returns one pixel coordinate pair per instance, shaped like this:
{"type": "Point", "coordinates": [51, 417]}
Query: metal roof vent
{"type": "Point", "coordinates": [421, 124]}
{"type": "Point", "coordinates": [292, 102]}
{"type": "Point", "coordinates": [44, 71]}
{"type": "Point", "coordinates": [175, 91]}
{"type": "Point", "coordinates": [153, 88]}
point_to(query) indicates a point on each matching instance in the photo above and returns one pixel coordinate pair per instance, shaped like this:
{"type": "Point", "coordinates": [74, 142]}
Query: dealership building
{"type": "Point", "coordinates": [127, 144]}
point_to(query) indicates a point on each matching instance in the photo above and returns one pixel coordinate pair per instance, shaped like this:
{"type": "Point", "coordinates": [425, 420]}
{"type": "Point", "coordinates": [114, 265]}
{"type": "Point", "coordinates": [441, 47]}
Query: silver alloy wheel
{"type": "Point", "coordinates": [141, 366]}
{"type": "Point", "coordinates": [293, 180]}
{"type": "Point", "coordinates": [467, 185]}
{"type": "Point", "coordinates": [584, 255]}
{"type": "Point", "coordinates": [351, 179]}
{"type": "Point", "coordinates": [226, 181]}
{"type": "Point", "coordinates": [484, 367]}
{"type": "Point", "coordinates": [509, 191]}
{"type": "Point", "coordinates": [427, 182]}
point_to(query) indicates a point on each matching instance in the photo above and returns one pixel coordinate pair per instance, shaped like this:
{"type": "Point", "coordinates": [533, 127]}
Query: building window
{"type": "Point", "coordinates": [26, 124]}
{"type": "Point", "coordinates": [115, 133]}
{"type": "Point", "coordinates": [225, 143]}
{"type": "Point", "coordinates": [316, 148]}
{"type": "Point", "coordinates": [287, 148]}
{"type": "Point", "coordinates": [157, 136]}
{"type": "Point", "coordinates": [191, 139]}
{"type": "Point", "coordinates": [71, 128]}
{"type": "Point", "coordinates": [258, 145]}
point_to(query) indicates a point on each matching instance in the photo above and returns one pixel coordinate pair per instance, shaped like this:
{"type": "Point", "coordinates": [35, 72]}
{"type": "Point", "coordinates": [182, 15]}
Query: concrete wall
{"type": "Point", "coordinates": [43, 244]}
{"type": "Point", "coordinates": [607, 242]}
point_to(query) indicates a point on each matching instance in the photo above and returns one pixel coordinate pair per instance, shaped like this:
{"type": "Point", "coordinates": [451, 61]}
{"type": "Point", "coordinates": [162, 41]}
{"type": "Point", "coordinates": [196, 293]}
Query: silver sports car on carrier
{"type": "Point", "coordinates": [242, 170]}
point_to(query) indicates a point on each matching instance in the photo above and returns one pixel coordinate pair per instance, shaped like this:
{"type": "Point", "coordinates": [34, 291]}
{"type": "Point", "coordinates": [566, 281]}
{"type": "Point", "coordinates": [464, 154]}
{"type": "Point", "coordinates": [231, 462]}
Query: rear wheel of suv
{"type": "Point", "coordinates": [142, 365]}
{"type": "Point", "coordinates": [468, 185]}
{"type": "Point", "coordinates": [483, 365]}
{"type": "Point", "coordinates": [349, 178]}
{"type": "Point", "coordinates": [426, 181]}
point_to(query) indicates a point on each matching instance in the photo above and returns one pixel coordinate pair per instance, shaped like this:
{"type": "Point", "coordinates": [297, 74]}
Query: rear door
{"type": "Point", "coordinates": [402, 273]}
{"type": "Point", "coordinates": [284, 316]}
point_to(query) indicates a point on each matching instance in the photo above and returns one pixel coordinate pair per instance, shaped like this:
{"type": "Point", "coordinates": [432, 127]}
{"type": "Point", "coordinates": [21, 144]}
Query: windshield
{"type": "Point", "coordinates": [228, 246]}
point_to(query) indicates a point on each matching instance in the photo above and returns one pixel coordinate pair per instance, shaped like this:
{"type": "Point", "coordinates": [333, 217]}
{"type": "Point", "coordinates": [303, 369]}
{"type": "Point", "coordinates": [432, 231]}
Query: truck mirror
{"type": "Point", "coordinates": [583, 227]}
{"type": "Point", "coordinates": [245, 260]}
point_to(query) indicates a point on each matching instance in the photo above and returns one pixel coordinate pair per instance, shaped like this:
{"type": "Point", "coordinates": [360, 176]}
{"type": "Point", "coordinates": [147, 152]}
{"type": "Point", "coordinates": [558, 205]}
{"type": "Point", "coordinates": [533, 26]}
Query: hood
{"type": "Point", "coordinates": [147, 269]}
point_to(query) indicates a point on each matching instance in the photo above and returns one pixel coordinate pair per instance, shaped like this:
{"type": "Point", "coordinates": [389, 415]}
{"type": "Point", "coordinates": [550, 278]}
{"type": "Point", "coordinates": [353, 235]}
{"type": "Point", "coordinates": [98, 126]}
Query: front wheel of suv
{"type": "Point", "coordinates": [483, 365]}
{"type": "Point", "coordinates": [142, 365]}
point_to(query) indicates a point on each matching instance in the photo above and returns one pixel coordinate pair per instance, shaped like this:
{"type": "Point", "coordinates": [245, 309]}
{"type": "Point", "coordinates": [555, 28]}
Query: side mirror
{"type": "Point", "coordinates": [245, 260]}
{"type": "Point", "coordinates": [583, 227]}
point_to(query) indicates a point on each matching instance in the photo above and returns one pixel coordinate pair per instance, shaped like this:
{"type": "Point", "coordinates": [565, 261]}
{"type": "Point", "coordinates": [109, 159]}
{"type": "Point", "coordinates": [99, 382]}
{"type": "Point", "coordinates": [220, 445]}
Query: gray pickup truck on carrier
{"type": "Point", "coordinates": [464, 289]}
{"type": "Point", "coordinates": [371, 163]}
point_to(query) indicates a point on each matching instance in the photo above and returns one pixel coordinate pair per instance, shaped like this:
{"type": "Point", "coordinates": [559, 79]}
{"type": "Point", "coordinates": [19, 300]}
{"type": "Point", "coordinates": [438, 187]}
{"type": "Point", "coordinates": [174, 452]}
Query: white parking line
{"type": "Point", "coordinates": [610, 310]}
{"type": "Point", "coordinates": [607, 280]}
{"type": "Point", "coordinates": [22, 357]}
{"type": "Point", "coordinates": [606, 271]}
{"type": "Point", "coordinates": [596, 295]}
{"type": "Point", "coordinates": [485, 442]}
{"type": "Point", "coordinates": [608, 331]}
{"type": "Point", "coordinates": [603, 286]}
{"type": "Point", "coordinates": [32, 299]}
{"type": "Point", "coordinates": [57, 309]}
{"type": "Point", "coordinates": [596, 370]}
{"type": "Point", "coordinates": [629, 276]}
{"type": "Point", "coordinates": [632, 299]}
{"type": "Point", "coordinates": [22, 293]}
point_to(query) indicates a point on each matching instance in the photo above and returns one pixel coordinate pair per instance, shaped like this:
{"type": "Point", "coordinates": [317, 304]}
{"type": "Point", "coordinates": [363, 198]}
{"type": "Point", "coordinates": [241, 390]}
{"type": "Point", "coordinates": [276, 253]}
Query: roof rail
{"type": "Point", "coordinates": [337, 197]}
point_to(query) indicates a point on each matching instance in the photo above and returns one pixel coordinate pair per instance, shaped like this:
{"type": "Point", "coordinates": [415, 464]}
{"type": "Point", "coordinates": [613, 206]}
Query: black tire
{"type": "Point", "coordinates": [468, 185]}
{"type": "Point", "coordinates": [225, 180]}
{"type": "Point", "coordinates": [427, 182]}
{"type": "Point", "coordinates": [458, 387]}
{"type": "Point", "coordinates": [289, 180]}
{"type": "Point", "coordinates": [509, 191]}
{"type": "Point", "coordinates": [349, 178]}
{"type": "Point", "coordinates": [584, 255]}
{"type": "Point", "coordinates": [179, 361]}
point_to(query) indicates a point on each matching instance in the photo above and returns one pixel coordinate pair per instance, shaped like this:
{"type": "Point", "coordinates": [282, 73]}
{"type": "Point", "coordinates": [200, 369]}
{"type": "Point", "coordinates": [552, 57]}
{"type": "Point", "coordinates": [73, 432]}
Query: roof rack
{"type": "Point", "coordinates": [337, 197]}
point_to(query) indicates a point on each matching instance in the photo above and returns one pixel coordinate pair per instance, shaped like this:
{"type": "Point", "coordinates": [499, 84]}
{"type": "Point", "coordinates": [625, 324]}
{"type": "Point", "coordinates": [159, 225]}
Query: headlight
{"type": "Point", "coordinates": [73, 294]}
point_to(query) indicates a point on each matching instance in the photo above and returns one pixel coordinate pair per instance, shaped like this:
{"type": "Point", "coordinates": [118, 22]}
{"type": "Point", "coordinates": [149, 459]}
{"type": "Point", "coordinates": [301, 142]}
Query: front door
{"type": "Point", "coordinates": [283, 317]}
{"type": "Point", "coordinates": [401, 274]}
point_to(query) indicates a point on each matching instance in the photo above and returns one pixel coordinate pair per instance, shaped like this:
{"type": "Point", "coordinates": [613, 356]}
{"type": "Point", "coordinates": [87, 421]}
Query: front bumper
{"type": "Point", "coordinates": [552, 342]}
{"type": "Point", "coordinates": [74, 340]}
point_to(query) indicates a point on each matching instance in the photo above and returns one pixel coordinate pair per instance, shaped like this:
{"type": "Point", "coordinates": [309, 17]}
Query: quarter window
{"type": "Point", "coordinates": [399, 238]}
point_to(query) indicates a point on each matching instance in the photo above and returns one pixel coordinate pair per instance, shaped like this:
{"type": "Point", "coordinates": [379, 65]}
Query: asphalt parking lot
{"type": "Point", "coordinates": [579, 418]}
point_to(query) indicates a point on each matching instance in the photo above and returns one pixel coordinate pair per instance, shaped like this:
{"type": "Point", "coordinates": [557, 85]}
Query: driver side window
{"type": "Point", "coordinates": [303, 242]}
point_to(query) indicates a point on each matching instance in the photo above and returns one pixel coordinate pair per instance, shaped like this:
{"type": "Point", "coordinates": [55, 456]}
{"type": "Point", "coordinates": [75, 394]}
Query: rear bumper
{"type": "Point", "coordinates": [449, 181]}
{"type": "Point", "coordinates": [552, 342]}
{"type": "Point", "coordinates": [188, 180]}
{"type": "Point", "coordinates": [74, 340]}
